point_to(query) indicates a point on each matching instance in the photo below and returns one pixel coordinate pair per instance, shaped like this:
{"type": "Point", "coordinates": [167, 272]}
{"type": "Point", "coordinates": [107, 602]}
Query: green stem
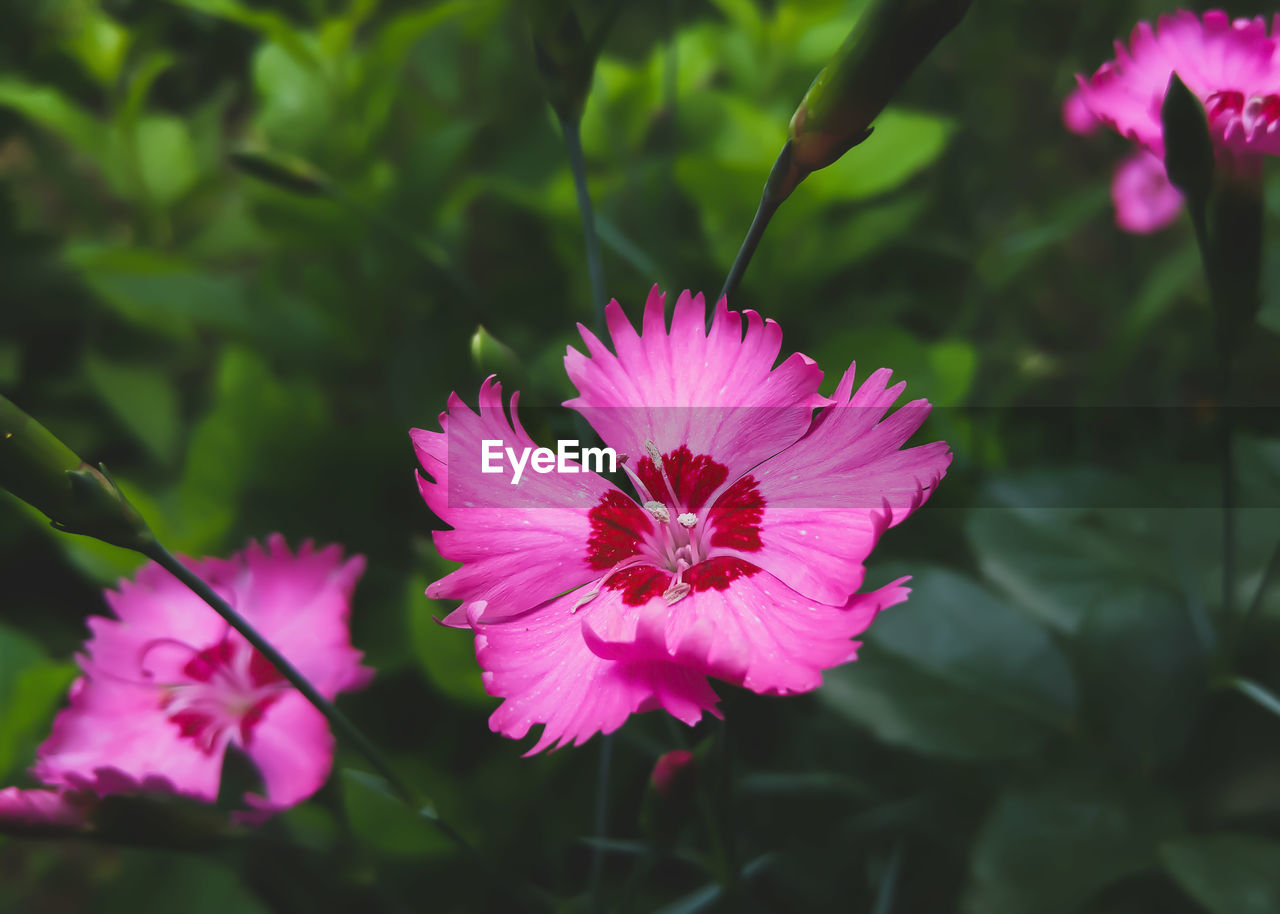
{"type": "Point", "coordinates": [341, 724]}
{"type": "Point", "coordinates": [1268, 576]}
{"type": "Point", "coordinates": [602, 820]}
{"type": "Point", "coordinates": [782, 180]}
{"type": "Point", "coordinates": [595, 267]}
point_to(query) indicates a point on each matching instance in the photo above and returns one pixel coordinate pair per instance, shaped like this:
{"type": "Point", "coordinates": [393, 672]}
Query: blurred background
{"type": "Point", "coordinates": [1061, 719]}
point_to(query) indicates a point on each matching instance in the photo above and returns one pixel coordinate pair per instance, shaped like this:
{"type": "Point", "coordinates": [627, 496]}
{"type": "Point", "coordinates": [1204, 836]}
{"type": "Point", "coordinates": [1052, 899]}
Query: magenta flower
{"type": "Point", "coordinates": [44, 809]}
{"type": "Point", "coordinates": [167, 686]}
{"type": "Point", "coordinates": [741, 557]}
{"type": "Point", "coordinates": [1230, 65]}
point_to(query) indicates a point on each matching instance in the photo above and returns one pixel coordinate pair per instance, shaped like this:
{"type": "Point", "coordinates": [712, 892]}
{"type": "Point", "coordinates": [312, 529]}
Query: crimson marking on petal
{"type": "Point", "coordinates": [618, 525]}
{"type": "Point", "coordinates": [693, 478]}
{"type": "Point", "coordinates": [205, 663]}
{"type": "Point", "coordinates": [639, 584]}
{"type": "Point", "coordinates": [193, 724]}
{"type": "Point", "coordinates": [736, 517]}
{"type": "Point", "coordinates": [253, 717]}
{"type": "Point", "coordinates": [261, 672]}
{"type": "Point", "coordinates": [718, 573]}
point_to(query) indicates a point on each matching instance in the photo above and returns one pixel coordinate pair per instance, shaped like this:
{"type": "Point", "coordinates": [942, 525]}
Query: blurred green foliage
{"type": "Point", "coordinates": [247, 245]}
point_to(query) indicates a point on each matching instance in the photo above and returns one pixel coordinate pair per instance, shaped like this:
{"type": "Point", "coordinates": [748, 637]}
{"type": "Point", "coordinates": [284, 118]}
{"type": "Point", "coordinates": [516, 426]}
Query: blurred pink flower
{"type": "Point", "coordinates": [168, 686]}
{"type": "Point", "coordinates": [741, 558]}
{"type": "Point", "coordinates": [1230, 65]}
{"type": "Point", "coordinates": [44, 809]}
{"type": "Point", "coordinates": [1144, 199]}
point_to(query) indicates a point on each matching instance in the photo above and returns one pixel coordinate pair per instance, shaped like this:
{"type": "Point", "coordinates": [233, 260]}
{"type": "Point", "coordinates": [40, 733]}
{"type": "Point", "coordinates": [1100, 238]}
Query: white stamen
{"type": "Point", "coordinates": [659, 511]}
{"type": "Point", "coordinates": [654, 454]}
{"type": "Point", "coordinates": [687, 519]}
{"type": "Point", "coordinates": [676, 592]}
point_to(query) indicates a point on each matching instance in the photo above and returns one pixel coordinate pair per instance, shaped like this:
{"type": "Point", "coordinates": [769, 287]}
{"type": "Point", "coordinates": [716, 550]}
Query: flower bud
{"type": "Point", "coordinates": [566, 52]}
{"type": "Point", "coordinates": [670, 799]}
{"type": "Point", "coordinates": [887, 43]}
{"type": "Point", "coordinates": [1188, 148]}
{"type": "Point", "coordinates": [287, 172]}
{"type": "Point", "coordinates": [492, 356]}
{"type": "Point", "coordinates": [46, 474]}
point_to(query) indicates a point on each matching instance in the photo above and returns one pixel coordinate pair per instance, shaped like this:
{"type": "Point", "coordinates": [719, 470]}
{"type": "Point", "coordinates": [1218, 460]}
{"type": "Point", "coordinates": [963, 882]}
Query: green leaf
{"type": "Point", "coordinates": [1227, 873]}
{"type": "Point", "coordinates": [54, 111]}
{"type": "Point", "coordinates": [955, 672]}
{"type": "Point", "coordinates": [1039, 549]}
{"type": "Point", "coordinates": [160, 881]}
{"type": "Point", "coordinates": [159, 291]}
{"type": "Point", "coordinates": [1143, 672]}
{"type": "Point", "coordinates": [140, 400]}
{"type": "Point", "coordinates": [166, 158]}
{"type": "Point", "coordinates": [30, 688]}
{"type": "Point", "coordinates": [446, 655]}
{"type": "Point", "coordinates": [268, 24]}
{"type": "Point", "coordinates": [1052, 847]}
{"type": "Point", "coordinates": [257, 424]}
{"type": "Point", "coordinates": [297, 109]}
{"type": "Point", "coordinates": [383, 822]}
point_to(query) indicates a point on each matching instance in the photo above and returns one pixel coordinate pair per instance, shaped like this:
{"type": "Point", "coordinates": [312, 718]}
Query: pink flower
{"type": "Point", "coordinates": [168, 686]}
{"type": "Point", "coordinates": [1230, 65]}
{"type": "Point", "coordinates": [740, 559]}
{"type": "Point", "coordinates": [1144, 199]}
{"type": "Point", "coordinates": [55, 810]}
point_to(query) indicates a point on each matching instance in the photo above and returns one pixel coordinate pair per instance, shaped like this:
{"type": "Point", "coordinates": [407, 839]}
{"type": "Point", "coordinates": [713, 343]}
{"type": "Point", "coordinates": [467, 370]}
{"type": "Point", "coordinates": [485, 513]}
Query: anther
{"type": "Point", "coordinates": [687, 519]}
{"type": "Point", "coordinates": [654, 454]}
{"type": "Point", "coordinates": [659, 511]}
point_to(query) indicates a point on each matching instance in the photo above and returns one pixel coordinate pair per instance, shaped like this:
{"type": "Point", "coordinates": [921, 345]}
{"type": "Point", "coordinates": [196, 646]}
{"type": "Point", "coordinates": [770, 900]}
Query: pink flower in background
{"type": "Point", "coordinates": [168, 686]}
{"type": "Point", "coordinates": [740, 558]}
{"type": "Point", "coordinates": [1230, 65]}
{"type": "Point", "coordinates": [44, 809]}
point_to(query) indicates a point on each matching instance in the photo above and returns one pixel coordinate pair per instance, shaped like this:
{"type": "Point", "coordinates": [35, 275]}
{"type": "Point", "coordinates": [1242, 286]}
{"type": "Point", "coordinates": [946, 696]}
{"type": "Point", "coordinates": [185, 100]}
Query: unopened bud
{"type": "Point", "coordinates": [1188, 148]}
{"type": "Point", "coordinates": [669, 802]}
{"type": "Point", "coordinates": [492, 356]}
{"type": "Point", "coordinates": [565, 48]}
{"type": "Point", "coordinates": [76, 497]}
{"type": "Point", "coordinates": [887, 43]}
{"type": "Point", "coordinates": [285, 171]}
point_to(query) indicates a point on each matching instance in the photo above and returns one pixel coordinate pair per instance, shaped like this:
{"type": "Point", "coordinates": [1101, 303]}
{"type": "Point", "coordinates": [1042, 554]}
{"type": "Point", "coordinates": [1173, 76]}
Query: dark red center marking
{"type": "Point", "coordinates": [215, 668]}
{"type": "Point", "coordinates": [693, 478]}
{"type": "Point", "coordinates": [619, 526]}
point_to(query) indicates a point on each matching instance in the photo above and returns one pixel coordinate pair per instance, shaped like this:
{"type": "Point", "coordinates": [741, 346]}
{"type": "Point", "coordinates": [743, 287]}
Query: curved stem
{"type": "Point", "coordinates": [602, 819]}
{"type": "Point", "coordinates": [783, 179]}
{"type": "Point", "coordinates": [341, 724]}
{"type": "Point", "coordinates": [595, 266]}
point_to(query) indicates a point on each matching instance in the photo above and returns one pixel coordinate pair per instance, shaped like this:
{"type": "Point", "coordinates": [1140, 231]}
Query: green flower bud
{"type": "Point", "coordinates": [1188, 148]}
{"type": "Point", "coordinates": [46, 474]}
{"type": "Point", "coordinates": [888, 42]}
{"type": "Point", "coordinates": [566, 50]}
{"type": "Point", "coordinates": [492, 356]}
{"type": "Point", "coordinates": [287, 172]}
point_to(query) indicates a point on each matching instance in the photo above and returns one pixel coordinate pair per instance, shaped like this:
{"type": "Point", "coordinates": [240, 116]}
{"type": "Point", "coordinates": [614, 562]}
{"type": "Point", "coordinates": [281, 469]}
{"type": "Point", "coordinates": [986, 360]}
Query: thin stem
{"type": "Point", "coordinates": [340, 722]}
{"type": "Point", "coordinates": [782, 180]}
{"type": "Point", "coordinates": [602, 819]}
{"type": "Point", "coordinates": [1268, 576]}
{"type": "Point", "coordinates": [595, 266]}
{"type": "Point", "coordinates": [758, 224]}
{"type": "Point", "coordinates": [1228, 493]}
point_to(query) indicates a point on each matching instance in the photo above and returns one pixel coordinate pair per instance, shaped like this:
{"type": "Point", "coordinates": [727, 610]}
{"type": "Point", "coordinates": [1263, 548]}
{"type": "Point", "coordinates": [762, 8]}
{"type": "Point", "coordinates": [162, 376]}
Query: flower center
{"type": "Point", "coordinates": [672, 545]}
{"type": "Point", "coordinates": [1255, 114]}
{"type": "Point", "coordinates": [215, 694]}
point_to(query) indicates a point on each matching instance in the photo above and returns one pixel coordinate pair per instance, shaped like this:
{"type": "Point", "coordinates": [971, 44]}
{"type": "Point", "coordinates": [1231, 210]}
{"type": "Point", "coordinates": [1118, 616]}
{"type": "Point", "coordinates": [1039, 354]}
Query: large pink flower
{"type": "Point", "coordinates": [740, 559]}
{"type": "Point", "coordinates": [1232, 66]}
{"type": "Point", "coordinates": [168, 686]}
